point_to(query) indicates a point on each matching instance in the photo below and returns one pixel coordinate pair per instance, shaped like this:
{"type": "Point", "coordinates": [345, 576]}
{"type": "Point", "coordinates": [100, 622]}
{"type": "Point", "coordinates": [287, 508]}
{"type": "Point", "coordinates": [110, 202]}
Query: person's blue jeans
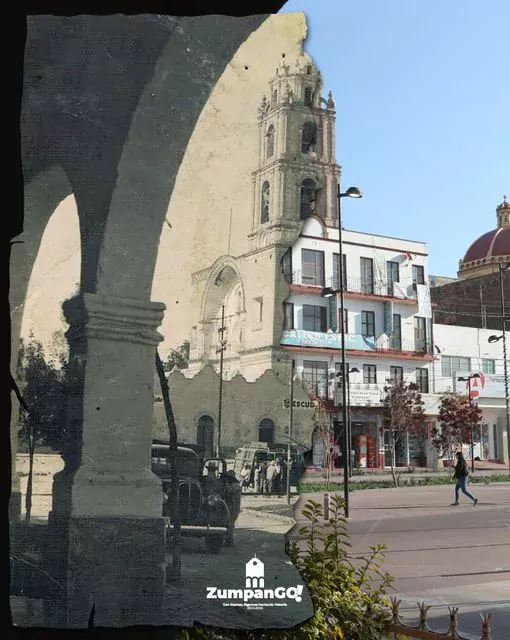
{"type": "Point", "coordinates": [461, 485]}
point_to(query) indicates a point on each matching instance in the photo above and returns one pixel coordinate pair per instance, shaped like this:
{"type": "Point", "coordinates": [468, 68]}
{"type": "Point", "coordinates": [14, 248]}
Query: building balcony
{"type": "Point", "coordinates": [298, 339]}
{"type": "Point", "coordinates": [354, 288]}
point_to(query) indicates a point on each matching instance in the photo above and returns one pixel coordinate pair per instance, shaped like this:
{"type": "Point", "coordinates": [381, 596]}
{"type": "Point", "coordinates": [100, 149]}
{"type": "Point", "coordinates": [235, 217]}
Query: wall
{"type": "Point", "coordinates": [244, 405]}
{"type": "Point", "coordinates": [459, 303]}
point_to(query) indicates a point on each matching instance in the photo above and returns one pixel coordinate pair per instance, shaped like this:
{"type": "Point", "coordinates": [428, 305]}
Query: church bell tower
{"type": "Point", "coordinates": [297, 175]}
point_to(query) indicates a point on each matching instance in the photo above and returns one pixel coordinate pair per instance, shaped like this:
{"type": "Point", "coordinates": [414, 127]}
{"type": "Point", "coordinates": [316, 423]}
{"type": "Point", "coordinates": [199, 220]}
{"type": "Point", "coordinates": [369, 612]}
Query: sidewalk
{"type": "Point", "coordinates": [370, 475]}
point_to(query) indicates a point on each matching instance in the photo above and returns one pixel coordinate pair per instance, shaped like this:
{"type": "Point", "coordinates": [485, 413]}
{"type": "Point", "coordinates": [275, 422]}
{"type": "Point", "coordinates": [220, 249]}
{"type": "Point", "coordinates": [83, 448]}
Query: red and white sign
{"type": "Point", "coordinates": [486, 386]}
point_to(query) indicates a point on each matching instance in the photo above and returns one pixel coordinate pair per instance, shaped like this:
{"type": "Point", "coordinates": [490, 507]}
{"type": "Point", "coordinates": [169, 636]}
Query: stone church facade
{"type": "Point", "coordinates": [295, 175]}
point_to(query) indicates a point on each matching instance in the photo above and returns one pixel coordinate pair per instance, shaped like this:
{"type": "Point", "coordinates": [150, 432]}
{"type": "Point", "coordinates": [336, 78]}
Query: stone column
{"type": "Point", "coordinates": [106, 531]}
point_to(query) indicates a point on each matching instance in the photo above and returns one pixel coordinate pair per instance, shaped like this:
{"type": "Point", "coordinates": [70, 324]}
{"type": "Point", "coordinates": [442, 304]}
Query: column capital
{"type": "Point", "coordinates": [110, 318]}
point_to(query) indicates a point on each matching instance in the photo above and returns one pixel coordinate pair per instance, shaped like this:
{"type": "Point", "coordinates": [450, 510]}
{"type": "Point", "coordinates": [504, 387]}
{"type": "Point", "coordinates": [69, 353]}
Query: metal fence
{"type": "Point", "coordinates": [398, 630]}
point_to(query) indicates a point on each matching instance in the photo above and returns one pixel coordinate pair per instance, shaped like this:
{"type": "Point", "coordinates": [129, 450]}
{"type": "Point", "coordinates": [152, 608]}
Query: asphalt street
{"type": "Point", "coordinates": [439, 554]}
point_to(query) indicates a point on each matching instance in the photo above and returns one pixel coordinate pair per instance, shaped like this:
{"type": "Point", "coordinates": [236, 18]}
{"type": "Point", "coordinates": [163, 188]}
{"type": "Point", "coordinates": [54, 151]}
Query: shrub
{"type": "Point", "coordinates": [349, 595]}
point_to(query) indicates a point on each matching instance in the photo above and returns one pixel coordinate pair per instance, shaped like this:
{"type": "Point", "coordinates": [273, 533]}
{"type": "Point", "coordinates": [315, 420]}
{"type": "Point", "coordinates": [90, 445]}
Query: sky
{"type": "Point", "coordinates": [422, 91]}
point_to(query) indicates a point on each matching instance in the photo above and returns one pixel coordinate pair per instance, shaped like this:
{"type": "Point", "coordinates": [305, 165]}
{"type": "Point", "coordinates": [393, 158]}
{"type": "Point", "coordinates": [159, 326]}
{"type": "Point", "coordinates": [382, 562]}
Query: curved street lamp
{"type": "Point", "coordinates": [328, 292]}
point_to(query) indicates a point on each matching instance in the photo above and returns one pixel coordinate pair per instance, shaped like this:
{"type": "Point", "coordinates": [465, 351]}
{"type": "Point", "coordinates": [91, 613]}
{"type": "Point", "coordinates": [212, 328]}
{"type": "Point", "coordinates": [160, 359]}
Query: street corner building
{"type": "Point", "coordinates": [115, 111]}
{"type": "Point", "coordinates": [258, 304]}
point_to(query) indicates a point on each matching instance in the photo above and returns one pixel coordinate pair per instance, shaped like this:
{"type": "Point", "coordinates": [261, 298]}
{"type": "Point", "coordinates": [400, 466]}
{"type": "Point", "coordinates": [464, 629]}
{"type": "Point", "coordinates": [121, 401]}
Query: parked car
{"type": "Point", "coordinates": [209, 495]}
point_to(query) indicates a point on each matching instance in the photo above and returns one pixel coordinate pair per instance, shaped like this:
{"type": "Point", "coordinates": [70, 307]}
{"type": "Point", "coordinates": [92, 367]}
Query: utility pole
{"type": "Point", "coordinates": [291, 425]}
{"type": "Point", "coordinates": [221, 351]}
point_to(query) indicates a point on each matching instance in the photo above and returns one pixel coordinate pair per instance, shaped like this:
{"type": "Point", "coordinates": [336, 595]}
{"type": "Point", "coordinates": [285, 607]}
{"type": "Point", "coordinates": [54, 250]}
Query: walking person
{"type": "Point", "coordinates": [461, 474]}
{"type": "Point", "coordinates": [245, 477]}
{"type": "Point", "coordinates": [263, 477]}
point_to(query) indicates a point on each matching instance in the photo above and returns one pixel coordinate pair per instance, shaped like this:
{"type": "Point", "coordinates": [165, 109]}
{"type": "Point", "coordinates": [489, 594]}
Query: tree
{"type": "Point", "coordinates": [324, 433]}
{"type": "Point", "coordinates": [460, 422]}
{"type": "Point", "coordinates": [403, 415]}
{"type": "Point", "coordinates": [44, 391]}
{"type": "Point", "coordinates": [178, 357]}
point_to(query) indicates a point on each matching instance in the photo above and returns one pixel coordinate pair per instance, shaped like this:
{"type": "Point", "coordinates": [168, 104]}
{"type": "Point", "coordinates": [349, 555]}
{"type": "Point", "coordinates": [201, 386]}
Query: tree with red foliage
{"type": "Point", "coordinates": [403, 415]}
{"type": "Point", "coordinates": [460, 422]}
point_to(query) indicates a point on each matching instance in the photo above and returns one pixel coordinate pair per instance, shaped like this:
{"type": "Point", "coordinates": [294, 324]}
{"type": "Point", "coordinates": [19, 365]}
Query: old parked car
{"type": "Point", "coordinates": [209, 495]}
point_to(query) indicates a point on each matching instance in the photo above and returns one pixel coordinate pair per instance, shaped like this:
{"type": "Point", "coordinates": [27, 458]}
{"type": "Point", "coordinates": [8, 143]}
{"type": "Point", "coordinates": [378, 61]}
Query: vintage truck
{"type": "Point", "coordinates": [209, 495]}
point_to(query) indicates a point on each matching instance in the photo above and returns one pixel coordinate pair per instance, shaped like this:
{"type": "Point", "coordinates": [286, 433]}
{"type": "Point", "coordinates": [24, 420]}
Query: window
{"type": "Point", "coordinates": [264, 203]}
{"type": "Point", "coordinates": [368, 324]}
{"type": "Point", "coordinates": [396, 337]}
{"type": "Point", "coordinates": [258, 309]}
{"type": "Point", "coordinates": [397, 373]}
{"type": "Point", "coordinates": [266, 431]}
{"type": "Point", "coordinates": [369, 374]}
{"type": "Point", "coordinates": [336, 268]}
{"type": "Point", "coordinates": [308, 190]}
{"type": "Point", "coordinates": [308, 70]}
{"type": "Point", "coordinates": [488, 366]}
{"type": "Point", "coordinates": [288, 315]}
{"type": "Point", "coordinates": [315, 318]}
{"type": "Point", "coordinates": [315, 378]}
{"type": "Point", "coordinates": [308, 137]}
{"type": "Point", "coordinates": [422, 380]}
{"type": "Point", "coordinates": [205, 435]}
{"type": "Point", "coordinates": [308, 96]}
{"type": "Point", "coordinates": [418, 274]}
{"type": "Point", "coordinates": [287, 266]}
{"type": "Point", "coordinates": [367, 275]}
{"type": "Point", "coordinates": [420, 334]}
{"type": "Point", "coordinates": [346, 321]}
{"type": "Point", "coordinates": [270, 141]}
{"type": "Point", "coordinates": [274, 98]}
{"type": "Point", "coordinates": [450, 365]}
{"type": "Point", "coordinates": [312, 267]}
{"type": "Point", "coordinates": [392, 275]}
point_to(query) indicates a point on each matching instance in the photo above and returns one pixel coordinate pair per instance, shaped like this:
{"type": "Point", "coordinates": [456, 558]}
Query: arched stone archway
{"type": "Point", "coordinates": [112, 127]}
{"type": "Point", "coordinates": [223, 292]}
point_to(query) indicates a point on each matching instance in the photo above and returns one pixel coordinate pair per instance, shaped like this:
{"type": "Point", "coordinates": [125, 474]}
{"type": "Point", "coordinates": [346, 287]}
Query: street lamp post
{"type": "Point", "coordinates": [502, 337]}
{"type": "Point", "coordinates": [349, 425]}
{"type": "Point", "coordinates": [352, 192]}
{"type": "Point", "coordinates": [221, 351]}
{"type": "Point", "coordinates": [472, 443]}
{"type": "Point", "coordinates": [291, 425]}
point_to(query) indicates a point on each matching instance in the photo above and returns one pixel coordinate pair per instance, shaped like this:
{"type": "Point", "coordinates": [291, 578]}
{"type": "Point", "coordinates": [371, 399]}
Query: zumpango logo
{"type": "Point", "coordinates": [255, 594]}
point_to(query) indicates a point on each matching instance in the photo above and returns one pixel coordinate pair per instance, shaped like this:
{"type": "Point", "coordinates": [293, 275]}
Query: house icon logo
{"type": "Point", "coordinates": [255, 574]}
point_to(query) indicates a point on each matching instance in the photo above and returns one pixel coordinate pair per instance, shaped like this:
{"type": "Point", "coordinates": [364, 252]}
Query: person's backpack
{"type": "Point", "coordinates": [464, 471]}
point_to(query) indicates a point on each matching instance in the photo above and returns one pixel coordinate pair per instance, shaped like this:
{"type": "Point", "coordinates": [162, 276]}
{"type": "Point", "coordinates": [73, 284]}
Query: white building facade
{"type": "Point", "coordinates": [388, 328]}
{"type": "Point", "coordinates": [463, 351]}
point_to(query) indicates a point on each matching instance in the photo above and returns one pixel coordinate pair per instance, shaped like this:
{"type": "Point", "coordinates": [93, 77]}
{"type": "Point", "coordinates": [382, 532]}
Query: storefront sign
{"type": "Point", "coordinates": [486, 386]}
{"type": "Point", "coordinates": [300, 338]}
{"type": "Point", "coordinates": [366, 398]}
{"type": "Point", "coordinates": [301, 404]}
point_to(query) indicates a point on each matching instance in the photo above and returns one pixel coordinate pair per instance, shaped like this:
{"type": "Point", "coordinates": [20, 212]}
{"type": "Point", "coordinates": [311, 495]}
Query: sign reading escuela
{"type": "Point", "coordinates": [300, 404]}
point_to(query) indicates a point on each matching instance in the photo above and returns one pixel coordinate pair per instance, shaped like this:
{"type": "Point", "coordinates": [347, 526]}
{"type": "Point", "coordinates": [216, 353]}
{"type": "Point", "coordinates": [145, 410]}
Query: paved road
{"type": "Point", "coordinates": [441, 554]}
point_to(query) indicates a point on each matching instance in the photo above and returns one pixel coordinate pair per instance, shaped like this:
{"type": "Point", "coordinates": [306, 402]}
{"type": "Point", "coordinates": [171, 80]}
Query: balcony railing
{"type": "Point", "coordinates": [354, 342]}
{"type": "Point", "coordinates": [372, 287]}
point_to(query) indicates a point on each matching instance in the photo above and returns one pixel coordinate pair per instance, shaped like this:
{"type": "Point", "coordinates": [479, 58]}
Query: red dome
{"type": "Point", "coordinates": [492, 244]}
